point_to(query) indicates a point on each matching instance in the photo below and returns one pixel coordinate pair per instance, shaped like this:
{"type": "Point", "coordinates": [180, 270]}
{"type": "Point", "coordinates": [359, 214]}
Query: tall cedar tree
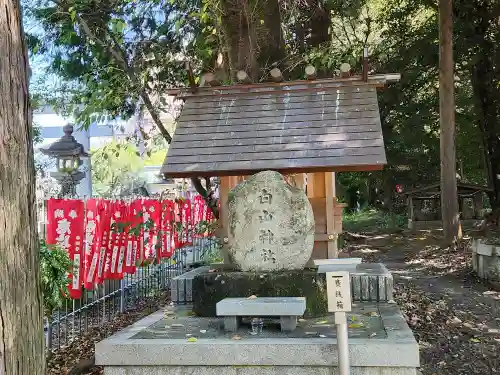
{"type": "Point", "coordinates": [21, 331]}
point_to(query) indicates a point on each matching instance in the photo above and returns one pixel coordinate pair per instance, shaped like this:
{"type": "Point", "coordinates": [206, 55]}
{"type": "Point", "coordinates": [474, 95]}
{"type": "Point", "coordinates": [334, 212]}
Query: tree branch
{"type": "Point", "coordinates": [118, 54]}
{"type": "Point", "coordinates": [206, 195]}
{"type": "Point", "coordinates": [120, 57]}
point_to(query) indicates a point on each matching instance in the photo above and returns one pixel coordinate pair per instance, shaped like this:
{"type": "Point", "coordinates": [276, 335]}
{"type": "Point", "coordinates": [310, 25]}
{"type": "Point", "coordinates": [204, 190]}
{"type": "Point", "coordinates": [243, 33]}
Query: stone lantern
{"type": "Point", "coordinates": [68, 153]}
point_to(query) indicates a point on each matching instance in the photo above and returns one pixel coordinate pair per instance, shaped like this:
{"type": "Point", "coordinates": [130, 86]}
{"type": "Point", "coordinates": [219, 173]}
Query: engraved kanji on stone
{"type": "Point", "coordinates": [338, 294]}
{"type": "Point", "coordinates": [338, 283]}
{"type": "Point", "coordinates": [266, 236]}
{"type": "Point", "coordinates": [340, 304]}
{"type": "Point", "coordinates": [265, 197]}
{"type": "Point", "coordinates": [266, 216]}
{"type": "Point", "coordinates": [268, 254]}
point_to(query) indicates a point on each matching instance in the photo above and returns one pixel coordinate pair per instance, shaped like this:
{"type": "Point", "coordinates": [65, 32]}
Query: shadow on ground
{"type": "Point", "coordinates": [454, 316]}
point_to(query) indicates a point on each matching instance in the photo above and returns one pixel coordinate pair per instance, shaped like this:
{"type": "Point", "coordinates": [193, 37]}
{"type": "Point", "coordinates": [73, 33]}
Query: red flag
{"type": "Point", "coordinates": [134, 249]}
{"type": "Point", "coordinates": [186, 222]}
{"type": "Point", "coordinates": [151, 217]}
{"type": "Point", "coordinates": [118, 235]}
{"type": "Point", "coordinates": [92, 219]}
{"type": "Point", "coordinates": [175, 224]}
{"type": "Point", "coordinates": [167, 248]}
{"type": "Point", "coordinates": [65, 223]}
{"type": "Point", "coordinates": [129, 257]}
{"type": "Point", "coordinates": [116, 247]}
{"type": "Point", "coordinates": [102, 239]}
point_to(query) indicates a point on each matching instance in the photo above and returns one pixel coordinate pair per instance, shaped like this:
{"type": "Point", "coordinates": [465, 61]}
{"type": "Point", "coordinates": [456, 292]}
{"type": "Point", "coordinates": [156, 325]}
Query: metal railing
{"type": "Point", "coordinates": [115, 297]}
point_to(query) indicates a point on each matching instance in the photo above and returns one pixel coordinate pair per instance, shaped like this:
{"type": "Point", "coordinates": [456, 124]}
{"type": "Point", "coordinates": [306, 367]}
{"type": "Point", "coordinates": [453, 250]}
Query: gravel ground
{"type": "Point", "coordinates": [454, 316]}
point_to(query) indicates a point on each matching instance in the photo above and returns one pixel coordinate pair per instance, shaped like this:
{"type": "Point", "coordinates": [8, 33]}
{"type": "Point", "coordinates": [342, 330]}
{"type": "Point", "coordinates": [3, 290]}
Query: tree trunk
{"type": "Point", "coordinates": [320, 21]}
{"type": "Point", "coordinates": [449, 199]}
{"type": "Point", "coordinates": [486, 104]}
{"type": "Point", "coordinates": [21, 317]}
{"type": "Point", "coordinates": [252, 32]}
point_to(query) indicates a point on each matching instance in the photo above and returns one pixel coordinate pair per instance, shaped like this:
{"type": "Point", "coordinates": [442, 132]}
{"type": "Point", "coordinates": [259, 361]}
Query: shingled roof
{"type": "Point", "coordinates": [290, 127]}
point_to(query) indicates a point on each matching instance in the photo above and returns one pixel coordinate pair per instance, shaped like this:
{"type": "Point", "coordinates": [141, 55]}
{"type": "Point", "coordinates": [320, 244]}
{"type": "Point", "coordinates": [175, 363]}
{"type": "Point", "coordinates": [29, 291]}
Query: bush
{"type": "Point", "coordinates": [54, 265]}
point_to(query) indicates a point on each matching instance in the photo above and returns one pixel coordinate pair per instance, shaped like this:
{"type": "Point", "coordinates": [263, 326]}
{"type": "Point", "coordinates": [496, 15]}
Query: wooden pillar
{"type": "Point", "coordinates": [224, 189]}
{"type": "Point", "coordinates": [322, 186]}
{"type": "Point", "coordinates": [333, 251]}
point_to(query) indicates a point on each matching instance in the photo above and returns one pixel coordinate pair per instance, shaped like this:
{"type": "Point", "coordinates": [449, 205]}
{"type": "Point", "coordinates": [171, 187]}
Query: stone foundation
{"type": "Point", "coordinates": [182, 285]}
{"type": "Point", "coordinates": [384, 345]}
{"type": "Point", "coordinates": [371, 282]}
{"type": "Point", "coordinates": [252, 370]}
{"type": "Point", "coordinates": [486, 260]}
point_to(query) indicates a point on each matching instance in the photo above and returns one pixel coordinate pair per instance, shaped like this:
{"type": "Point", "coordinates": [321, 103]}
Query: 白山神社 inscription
{"type": "Point", "coordinates": [271, 224]}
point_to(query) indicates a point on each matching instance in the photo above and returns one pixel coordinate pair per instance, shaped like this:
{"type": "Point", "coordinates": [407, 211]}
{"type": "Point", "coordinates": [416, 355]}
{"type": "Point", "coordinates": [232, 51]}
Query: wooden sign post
{"type": "Point", "coordinates": [338, 287]}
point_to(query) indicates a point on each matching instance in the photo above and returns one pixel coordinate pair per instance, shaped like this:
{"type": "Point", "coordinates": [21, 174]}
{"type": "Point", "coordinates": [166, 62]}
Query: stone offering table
{"type": "Point", "coordinates": [380, 342]}
{"type": "Point", "coordinates": [288, 309]}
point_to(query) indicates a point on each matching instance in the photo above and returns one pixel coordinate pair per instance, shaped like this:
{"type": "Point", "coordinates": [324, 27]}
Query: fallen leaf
{"type": "Point", "coordinates": [236, 337]}
{"type": "Point", "coordinates": [253, 296]}
{"type": "Point", "coordinates": [192, 339]}
{"type": "Point", "coordinates": [322, 322]}
{"type": "Point", "coordinates": [203, 331]}
{"type": "Point", "coordinates": [356, 325]}
{"type": "Point", "coordinates": [373, 334]}
{"type": "Point", "coordinates": [489, 293]}
{"type": "Point", "coordinates": [475, 340]}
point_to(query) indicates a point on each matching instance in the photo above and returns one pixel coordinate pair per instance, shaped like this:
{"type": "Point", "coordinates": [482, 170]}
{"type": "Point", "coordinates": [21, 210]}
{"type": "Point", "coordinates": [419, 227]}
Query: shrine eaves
{"type": "Point", "coordinates": [291, 127]}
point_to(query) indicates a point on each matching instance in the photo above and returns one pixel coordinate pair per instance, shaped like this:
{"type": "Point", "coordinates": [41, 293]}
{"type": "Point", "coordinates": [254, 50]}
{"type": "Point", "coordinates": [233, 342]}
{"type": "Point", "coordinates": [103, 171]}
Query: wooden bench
{"type": "Point", "coordinates": [287, 308]}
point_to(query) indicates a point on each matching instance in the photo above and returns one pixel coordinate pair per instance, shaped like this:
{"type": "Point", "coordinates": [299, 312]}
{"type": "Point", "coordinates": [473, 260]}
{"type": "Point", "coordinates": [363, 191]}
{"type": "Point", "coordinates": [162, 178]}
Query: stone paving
{"type": "Point", "coordinates": [364, 322]}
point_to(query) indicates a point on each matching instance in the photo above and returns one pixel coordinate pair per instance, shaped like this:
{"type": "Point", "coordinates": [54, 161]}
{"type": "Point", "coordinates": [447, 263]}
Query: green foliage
{"type": "Point", "coordinates": [111, 53]}
{"type": "Point", "coordinates": [115, 168]}
{"type": "Point", "coordinates": [214, 255]}
{"type": "Point", "coordinates": [371, 219]}
{"type": "Point", "coordinates": [112, 57]}
{"type": "Point", "coordinates": [55, 265]}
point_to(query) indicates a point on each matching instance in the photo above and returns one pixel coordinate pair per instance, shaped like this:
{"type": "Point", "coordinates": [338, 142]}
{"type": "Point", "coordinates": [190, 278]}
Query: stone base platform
{"type": "Point", "coordinates": [176, 343]}
{"type": "Point", "coordinates": [370, 282]}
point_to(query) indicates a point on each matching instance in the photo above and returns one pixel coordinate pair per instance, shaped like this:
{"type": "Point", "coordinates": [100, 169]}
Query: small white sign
{"type": "Point", "coordinates": [337, 261]}
{"type": "Point", "coordinates": [338, 289]}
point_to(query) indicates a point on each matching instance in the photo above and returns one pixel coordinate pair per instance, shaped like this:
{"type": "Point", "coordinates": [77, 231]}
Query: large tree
{"type": "Point", "coordinates": [116, 56]}
{"type": "Point", "coordinates": [449, 198]}
{"type": "Point", "coordinates": [21, 333]}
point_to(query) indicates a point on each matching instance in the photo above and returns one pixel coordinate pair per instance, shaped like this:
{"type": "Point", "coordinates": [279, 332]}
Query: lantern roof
{"type": "Point", "coordinates": [66, 146]}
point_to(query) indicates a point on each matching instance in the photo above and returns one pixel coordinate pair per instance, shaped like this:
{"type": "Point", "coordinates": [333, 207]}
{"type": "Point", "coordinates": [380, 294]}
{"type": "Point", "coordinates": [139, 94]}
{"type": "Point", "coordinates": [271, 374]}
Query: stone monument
{"type": "Point", "coordinates": [271, 238]}
{"type": "Point", "coordinates": [271, 224]}
{"type": "Point", "coordinates": [268, 231]}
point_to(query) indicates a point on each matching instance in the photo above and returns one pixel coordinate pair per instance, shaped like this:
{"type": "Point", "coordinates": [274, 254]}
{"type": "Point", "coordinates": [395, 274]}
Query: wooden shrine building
{"type": "Point", "coordinates": [424, 204]}
{"type": "Point", "coordinates": [306, 129]}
